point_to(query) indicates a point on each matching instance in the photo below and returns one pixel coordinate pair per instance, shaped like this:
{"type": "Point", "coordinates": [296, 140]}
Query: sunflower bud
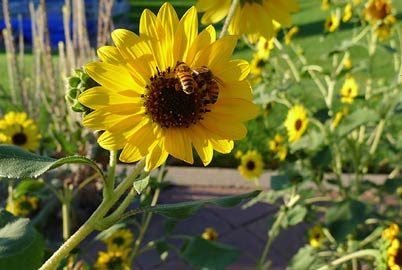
{"type": "Point", "coordinates": [76, 84]}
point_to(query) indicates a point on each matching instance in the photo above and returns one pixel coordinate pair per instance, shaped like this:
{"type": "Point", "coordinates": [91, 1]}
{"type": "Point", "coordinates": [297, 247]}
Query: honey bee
{"type": "Point", "coordinates": [206, 81]}
{"type": "Point", "coordinates": [184, 75]}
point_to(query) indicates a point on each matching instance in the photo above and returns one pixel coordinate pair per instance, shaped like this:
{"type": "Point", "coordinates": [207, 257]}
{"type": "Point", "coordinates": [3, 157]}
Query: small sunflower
{"type": "Point", "coordinates": [377, 10]}
{"type": "Point", "coordinates": [289, 35]}
{"type": "Point", "coordinates": [394, 251]}
{"type": "Point", "coordinates": [120, 239]}
{"type": "Point", "coordinates": [17, 129]}
{"type": "Point", "coordinates": [23, 206]}
{"type": "Point", "coordinates": [347, 63]}
{"type": "Point", "coordinates": [249, 15]}
{"type": "Point", "coordinates": [316, 236]}
{"type": "Point", "coordinates": [383, 30]}
{"type": "Point", "coordinates": [264, 47]}
{"type": "Point", "coordinates": [347, 13]}
{"type": "Point", "coordinates": [276, 145]}
{"type": "Point", "coordinates": [210, 234]}
{"type": "Point", "coordinates": [296, 122]}
{"type": "Point", "coordinates": [251, 165]}
{"type": "Point", "coordinates": [168, 89]}
{"type": "Point", "coordinates": [325, 4]}
{"type": "Point", "coordinates": [112, 260]}
{"type": "Point", "coordinates": [349, 90]}
{"type": "Point", "coordinates": [332, 22]}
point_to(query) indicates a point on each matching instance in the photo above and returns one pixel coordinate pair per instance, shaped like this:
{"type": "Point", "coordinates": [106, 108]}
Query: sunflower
{"type": "Point", "coordinates": [347, 13]}
{"type": "Point", "coordinates": [168, 89]}
{"type": "Point", "coordinates": [325, 4]}
{"type": "Point", "coordinates": [251, 165]}
{"type": "Point", "coordinates": [296, 122]}
{"type": "Point", "coordinates": [332, 22]}
{"type": "Point", "coordinates": [249, 15]}
{"type": "Point", "coordinates": [23, 206]}
{"type": "Point", "coordinates": [394, 251]}
{"type": "Point", "coordinates": [112, 260]}
{"type": "Point", "coordinates": [383, 30]}
{"type": "Point", "coordinates": [377, 10]}
{"type": "Point", "coordinates": [276, 145]}
{"type": "Point", "coordinates": [210, 234]}
{"type": "Point", "coordinates": [349, 90]}
{"type": "Point", "coordinates": [316, 236]}
{"type": "Point", "coordinates": [264, 47]}
{"type": "Point", "coordinates": [120, 239]}
{"type": "Point", "coordinates": [17, 129]}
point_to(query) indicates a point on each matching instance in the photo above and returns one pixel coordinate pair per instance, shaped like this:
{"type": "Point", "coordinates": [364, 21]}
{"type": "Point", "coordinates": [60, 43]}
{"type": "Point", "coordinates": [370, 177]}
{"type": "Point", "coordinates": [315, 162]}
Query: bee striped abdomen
{"type": "Point", "coordinates": [184, 75]}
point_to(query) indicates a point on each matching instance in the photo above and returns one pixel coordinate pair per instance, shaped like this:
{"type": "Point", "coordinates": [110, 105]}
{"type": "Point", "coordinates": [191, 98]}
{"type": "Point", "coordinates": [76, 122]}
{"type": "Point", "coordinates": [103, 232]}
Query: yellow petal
{"type": "Point", "coordinates": [236, 89]}
{"type": "Point", "coordinates": [215, 10]}
{"type": "Point", "coordinates": [115, 78]}
{"type": "Point", "coordinates": [130, 153]}
{"type": "Point", "coordinates": [278, 11]}
{"type": "Point", "coordinates": [103, 119]}
{"type": "Point", "coordinates": [239, 109]}
{"type": "Point", "coordinates": [156, 157]}
{"type": "Point", "coordinates": [226, 127]}
{"type": "Point", "coordinates": [167, 15]}
{"type": "Point", "coordinates": [201, 144]}
{"type": "Point", "coordinates": [99, 97]}
{"type": "Point", "coordinates": [222, 146]}
{"type": "Point", "coordinates": [111, 141]}
{"type": "Point", "coordinates": [235, 70]}
{"type": "Point", "coordinates": [203, 40]}
{"type": "Point", "coordinates": [110, 54]}
{"type": "Point", "coordinates": [178, 144]}
{"type": "Point", "coordinates": [152, 32]}
{"type": "Point", "coordinates": [187, 31]}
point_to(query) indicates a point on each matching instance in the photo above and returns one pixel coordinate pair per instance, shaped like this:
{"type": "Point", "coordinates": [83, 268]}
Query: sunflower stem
{"type": "Point", "coordinates": [109, 183]}
{"type": "Point", "coordinates": [229, 18]}
{"type": "Point", "coordinates": [351, 256]}
{"type": "Point", "coordinates": [94, 221]}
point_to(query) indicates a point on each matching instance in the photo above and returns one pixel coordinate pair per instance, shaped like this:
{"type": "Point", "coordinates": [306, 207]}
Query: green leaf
{"type": "Point", "coordinates": [141, 184]}
{"type": "Point", "coordinates": [279, 182]}
{"type": "Point", "coordinates": [18, 163]}
{"type": "Point", "coordinates": [26, 186]}
{"type": "Point", "coordinates": [21, 246]}
{"type": "Point", "coordinates": [186, 209]}
{"type": "Point", "coordinates": [356, 119]}
{"type": "Point", "coordinates": [210, 254]}
{"type": "Point", "coordinates": [343, 217]}
{"type": "Point", "coordinates": [391, 185]}
{"type": "Point", "coordinates": [296, 214]}
{"type": "Point", "coordinates": [306, 259]}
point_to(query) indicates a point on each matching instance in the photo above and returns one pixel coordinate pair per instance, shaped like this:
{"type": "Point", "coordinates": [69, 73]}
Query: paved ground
{"type": "Point", "coordinates": [245, 229]}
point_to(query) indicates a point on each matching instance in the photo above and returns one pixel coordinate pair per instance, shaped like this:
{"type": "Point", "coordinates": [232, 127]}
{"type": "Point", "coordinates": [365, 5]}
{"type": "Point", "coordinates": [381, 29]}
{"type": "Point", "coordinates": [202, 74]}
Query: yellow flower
{"type": "Point", "coordinates": [276, 146]}
{"type": "Point", "coordinates": [249, 15]}
{"type": "Point", "coordinates": [390, 232]}
{"type": "Point", "coordinates": [251, 165]}
{"type": "Point", "coordinates": [264, 47]}
{"type": "Point", "coordinates": [210, 234]}
{"type": "Point", "coordinates": [347, 13]}
{"type": "Point", "coordinates": [332, 22]}
{"type": "Point", "coordinates": [289, 35]}
{"type": "Point", "coordinates": [168, 89]}
{"type": "Point", "coordinates": [349, 90]}
{"type": "Point", "coordinates": [112, 260]}
{"type": "Point", "coordinates": [120, 239]}
{"type": "Point", "coordinates": [383, 30]}
{"type": "Point", "coordinates": [316, 236]}
{"type": "Point", "coordinates": [376, 10]}
{"type": "Point", "coordinates": [347, 63]}
{"type": "Point", "coordinates": [296, 122]}
{"type": "Point", "coordinates": [23, 206]}
{"type": "Point", "coordinates": [17, 129]}
{"type": "Point", "coordinates": [325, 4]}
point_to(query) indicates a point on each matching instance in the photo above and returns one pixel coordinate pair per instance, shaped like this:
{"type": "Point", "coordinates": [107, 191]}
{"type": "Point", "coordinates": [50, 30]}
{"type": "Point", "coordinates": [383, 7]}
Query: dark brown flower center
{"type": "Point", "coordinates": [19, 138]}
{"type": "Point", "coordinates": [298, 124]}
{"type": "Point", "coordinates": [169, 105]}
{"type": "Point", "coordinates": [250, 165]}
{"type": "Point", "coordinates": [115, 263]}
{"type": "Point", "coordinates": [119, 241]}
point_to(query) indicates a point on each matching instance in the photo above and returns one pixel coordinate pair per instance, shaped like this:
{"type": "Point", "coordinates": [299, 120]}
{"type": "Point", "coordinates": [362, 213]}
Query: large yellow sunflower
{"type": "Point", "coordinates": [255, 18]}
{"type": "Point", "coordinates": [296, 122]}
{"type": "Point", "coordinates": [168, 89]}
{"type": "Point", "coordinates": [251, 165]}
{"type": "Point", "coordinates": [17, 129]}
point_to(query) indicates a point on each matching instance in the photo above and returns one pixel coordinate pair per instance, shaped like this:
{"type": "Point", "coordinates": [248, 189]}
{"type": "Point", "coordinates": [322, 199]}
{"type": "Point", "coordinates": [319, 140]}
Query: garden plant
{"type": "Point", "coordinates": [308, 90]}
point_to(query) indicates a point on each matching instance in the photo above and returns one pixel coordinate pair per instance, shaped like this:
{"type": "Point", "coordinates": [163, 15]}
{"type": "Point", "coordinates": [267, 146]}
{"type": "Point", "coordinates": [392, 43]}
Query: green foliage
{"type": "Point", "coordinates": [21, 246]}
{"type": "Point", "coordinates": [209, 254]}
{"type": "Point", "coordinates": [186, 209]}
{"type": "Point", "coordinates": [18, 163]}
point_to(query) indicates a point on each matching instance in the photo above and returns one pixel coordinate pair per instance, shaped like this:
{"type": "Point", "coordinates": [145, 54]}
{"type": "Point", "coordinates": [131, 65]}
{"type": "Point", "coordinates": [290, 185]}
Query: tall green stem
{"type": "Point", "coordinates": [351, 256]}
{"type": "Point", "coordinates": [94, 221]}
